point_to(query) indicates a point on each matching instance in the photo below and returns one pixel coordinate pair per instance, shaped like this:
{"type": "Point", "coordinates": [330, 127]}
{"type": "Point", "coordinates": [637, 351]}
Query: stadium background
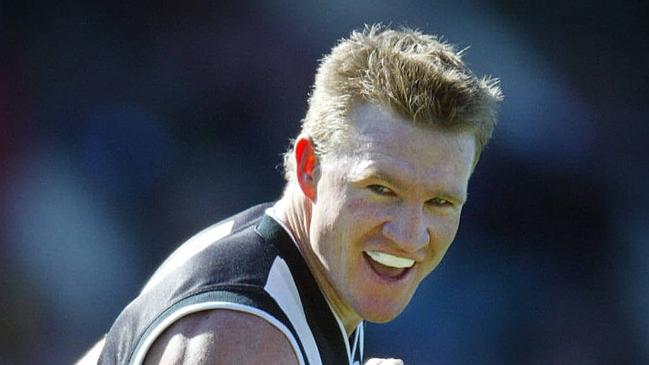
{"type": "Point", "coordinates": [126, 128]}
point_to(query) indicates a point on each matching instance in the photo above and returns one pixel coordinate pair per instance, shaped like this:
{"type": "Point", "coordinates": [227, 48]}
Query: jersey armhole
{"type": "Point", "coordinates": [204, 302]}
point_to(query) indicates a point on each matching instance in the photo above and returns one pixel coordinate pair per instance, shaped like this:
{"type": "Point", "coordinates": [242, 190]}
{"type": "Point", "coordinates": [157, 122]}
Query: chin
{"type": "Point", "coordinates": [384, 314]}
{"type": "Point", "coordinates": [381, 318]}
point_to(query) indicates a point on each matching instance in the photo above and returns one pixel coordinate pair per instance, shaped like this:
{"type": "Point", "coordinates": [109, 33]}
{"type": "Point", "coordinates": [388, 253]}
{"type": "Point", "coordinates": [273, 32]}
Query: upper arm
{"type": "Point", "coordinates": [221, 336]}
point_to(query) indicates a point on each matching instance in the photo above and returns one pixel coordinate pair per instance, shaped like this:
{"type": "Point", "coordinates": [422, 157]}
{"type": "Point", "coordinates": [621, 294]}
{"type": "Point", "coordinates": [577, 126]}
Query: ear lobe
{"type": "Point", "coordinates": [306, 166]}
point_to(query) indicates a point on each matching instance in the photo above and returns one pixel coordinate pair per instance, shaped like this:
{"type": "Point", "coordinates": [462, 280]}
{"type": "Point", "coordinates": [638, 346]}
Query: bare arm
{"type": "Point", "coordinates": [221, 337]}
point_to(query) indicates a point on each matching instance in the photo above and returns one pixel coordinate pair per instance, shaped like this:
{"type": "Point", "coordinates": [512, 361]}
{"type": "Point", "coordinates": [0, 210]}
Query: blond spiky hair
{"type": "Point", "coordinates": [417, 75]}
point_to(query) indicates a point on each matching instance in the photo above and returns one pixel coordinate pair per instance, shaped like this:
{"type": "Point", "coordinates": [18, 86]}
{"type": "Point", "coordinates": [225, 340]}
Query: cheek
{"type": "Point", "coordinates": [351, 217]}
{"type": "Point", "coordinates": [356, 222]}
{"type": "Point", "coordinates": [364, 210]}
{"type": "Point", "coordinates": [356, 207]}
{"type": "Point", "coordinates": [444, 231]}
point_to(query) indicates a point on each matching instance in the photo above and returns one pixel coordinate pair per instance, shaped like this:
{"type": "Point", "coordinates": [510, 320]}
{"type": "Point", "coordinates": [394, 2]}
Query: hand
{"type": "Point", "coordinates": [384, 362]}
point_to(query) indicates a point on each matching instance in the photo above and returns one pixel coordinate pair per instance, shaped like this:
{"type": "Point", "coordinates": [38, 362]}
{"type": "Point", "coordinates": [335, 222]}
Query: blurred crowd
{"type": "Point", "coordinates": [126, 128]}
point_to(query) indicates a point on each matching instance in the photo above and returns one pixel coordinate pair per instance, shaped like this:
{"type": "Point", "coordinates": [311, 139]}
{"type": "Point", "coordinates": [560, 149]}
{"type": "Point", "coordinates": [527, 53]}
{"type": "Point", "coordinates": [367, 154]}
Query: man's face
{"type": "Point", "coordinates": [386, 211]}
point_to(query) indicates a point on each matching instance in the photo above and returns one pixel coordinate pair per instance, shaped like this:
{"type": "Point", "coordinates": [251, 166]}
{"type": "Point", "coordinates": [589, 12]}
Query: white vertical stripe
{"type": "Point", "coordinates": [282, 288]}
{"type": "Point", "coordinates": [362, 339]}
{"type": "Point", "coordinates": [188, 250]}
{"type": "Point", "coordinates": [359, 329]}
{"type": "Point", "coordinates": [343, 333]}
{"type": "Point", "coordinates": [357, 336]}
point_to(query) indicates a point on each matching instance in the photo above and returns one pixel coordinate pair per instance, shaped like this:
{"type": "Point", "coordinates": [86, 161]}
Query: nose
{"type": "Point", "coordinates": [407, 228]}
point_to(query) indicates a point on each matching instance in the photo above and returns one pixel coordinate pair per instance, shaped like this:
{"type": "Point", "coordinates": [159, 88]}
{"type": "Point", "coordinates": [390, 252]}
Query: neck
{"type": "Point", "coordinates": [294, 211]}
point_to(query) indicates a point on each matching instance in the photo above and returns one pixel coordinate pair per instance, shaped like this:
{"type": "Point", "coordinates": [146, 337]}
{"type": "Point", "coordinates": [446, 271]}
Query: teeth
{"type": "Point", "coordinates": [390, 260]}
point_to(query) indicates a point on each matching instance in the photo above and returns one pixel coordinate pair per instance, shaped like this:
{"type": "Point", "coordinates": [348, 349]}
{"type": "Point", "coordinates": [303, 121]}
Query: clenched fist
{"type": "Point", "coordinates": [384, 362]}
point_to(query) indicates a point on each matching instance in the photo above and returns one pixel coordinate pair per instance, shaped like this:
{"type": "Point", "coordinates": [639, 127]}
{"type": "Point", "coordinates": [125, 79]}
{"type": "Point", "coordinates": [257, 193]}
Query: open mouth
{"type": "Point", "coordinates": [388, 267]}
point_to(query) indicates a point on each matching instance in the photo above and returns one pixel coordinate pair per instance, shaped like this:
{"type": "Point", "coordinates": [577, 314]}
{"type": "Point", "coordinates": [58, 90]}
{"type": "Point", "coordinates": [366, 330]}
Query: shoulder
{"type": "Point", "coordinates": [221, 337]}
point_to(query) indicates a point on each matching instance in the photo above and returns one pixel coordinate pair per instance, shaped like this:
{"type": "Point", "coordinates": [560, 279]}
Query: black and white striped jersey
{"type": "Point", "coordinates": [246, 263]}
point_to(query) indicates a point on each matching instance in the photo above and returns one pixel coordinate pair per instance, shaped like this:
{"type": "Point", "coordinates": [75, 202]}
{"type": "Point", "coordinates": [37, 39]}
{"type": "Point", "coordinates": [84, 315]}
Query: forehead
{"type": "Point", "coordinates": [384, 142]}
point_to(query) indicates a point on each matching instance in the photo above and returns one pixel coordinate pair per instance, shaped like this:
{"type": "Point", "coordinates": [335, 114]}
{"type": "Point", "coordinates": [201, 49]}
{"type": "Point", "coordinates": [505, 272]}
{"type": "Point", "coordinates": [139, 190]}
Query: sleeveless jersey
{"type": "Point", "coordinates": [246, 263]}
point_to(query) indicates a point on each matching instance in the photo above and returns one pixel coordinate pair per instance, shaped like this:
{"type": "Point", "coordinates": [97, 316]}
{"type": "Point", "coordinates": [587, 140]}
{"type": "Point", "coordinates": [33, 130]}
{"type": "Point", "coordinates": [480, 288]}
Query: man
{"type": "Point", "coordinates": [376, 182]}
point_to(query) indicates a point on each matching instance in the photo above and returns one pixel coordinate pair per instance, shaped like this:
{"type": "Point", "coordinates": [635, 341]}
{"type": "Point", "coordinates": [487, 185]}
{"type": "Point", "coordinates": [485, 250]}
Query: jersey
{"type": "Point", "coordinates": [248, 263]}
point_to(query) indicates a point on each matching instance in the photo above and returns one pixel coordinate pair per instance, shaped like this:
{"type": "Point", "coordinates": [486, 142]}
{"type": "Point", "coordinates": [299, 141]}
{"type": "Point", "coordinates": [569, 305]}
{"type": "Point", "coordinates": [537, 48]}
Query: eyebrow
{"type": "Point", "coordinates": [375, 172]}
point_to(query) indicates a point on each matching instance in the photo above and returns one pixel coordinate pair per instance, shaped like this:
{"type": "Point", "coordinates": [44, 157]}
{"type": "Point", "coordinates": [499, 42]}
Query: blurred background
{"type": "Point", "coordinates": [126, 128]}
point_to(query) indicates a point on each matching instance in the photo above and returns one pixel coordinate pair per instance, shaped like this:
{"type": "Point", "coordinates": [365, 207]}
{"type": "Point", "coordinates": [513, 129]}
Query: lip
{"type": "Point", "coordinates": [395, 260]}
{"type": "Point", "coordinates": [375, 267]}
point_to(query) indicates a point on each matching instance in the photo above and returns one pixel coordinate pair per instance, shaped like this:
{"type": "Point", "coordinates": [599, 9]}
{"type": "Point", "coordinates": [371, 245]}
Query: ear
{"type": "Point", "coordinates": [306, 166]}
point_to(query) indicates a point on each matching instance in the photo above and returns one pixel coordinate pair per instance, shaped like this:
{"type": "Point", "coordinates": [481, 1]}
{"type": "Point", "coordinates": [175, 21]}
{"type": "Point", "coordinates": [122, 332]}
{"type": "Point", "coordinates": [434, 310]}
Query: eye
{"type": "Point", "coordinates": [440, 202]}
{"type": "Point", "coordinates": [381, 190]}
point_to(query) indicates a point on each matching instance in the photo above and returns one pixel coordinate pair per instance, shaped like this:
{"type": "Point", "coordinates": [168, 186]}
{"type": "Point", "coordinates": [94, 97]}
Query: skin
{"type": "Point", "coordinates": [221, 337]}
{"type": "Point", "coordinates": [384, 362]}
{"type": "Point", "coordinates": [399, 189]}
{"type": "Point", "coordinates": [215, 337]}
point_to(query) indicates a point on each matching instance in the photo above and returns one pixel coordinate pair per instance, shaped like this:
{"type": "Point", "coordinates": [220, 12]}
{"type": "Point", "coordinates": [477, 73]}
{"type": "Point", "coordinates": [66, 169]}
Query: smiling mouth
{"type": "Point", "coordinates": [390, 260]}
{"type": "Point", "coordinates": [388, 266]}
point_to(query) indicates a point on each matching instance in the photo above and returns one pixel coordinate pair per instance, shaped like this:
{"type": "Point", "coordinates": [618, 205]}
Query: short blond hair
{"type": "Point", "coordinates": [418, 76]}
